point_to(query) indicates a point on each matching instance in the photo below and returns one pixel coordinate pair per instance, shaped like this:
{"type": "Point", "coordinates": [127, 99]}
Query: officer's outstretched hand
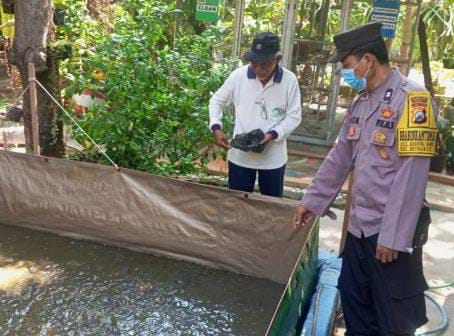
{"type": "Point", "coordinates": [386, 255]}
{"type": "Point", "coordinates": [221, 139]}
{"type": "Point", "coordinates": [302, 216]}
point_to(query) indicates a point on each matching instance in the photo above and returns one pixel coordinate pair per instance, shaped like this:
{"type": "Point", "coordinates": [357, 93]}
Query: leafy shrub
{"type": "Point", "coordinates": [156, 115]}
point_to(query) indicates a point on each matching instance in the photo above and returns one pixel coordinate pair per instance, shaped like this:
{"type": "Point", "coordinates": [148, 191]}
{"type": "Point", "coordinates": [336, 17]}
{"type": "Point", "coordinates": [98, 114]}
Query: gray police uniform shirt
{"type": "Point", "coordinates": [389, 189]}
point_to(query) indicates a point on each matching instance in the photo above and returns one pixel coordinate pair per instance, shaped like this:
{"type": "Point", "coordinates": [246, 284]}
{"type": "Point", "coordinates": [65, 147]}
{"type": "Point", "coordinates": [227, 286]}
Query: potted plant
{"type": "Point", "coordinates": [438, 162]}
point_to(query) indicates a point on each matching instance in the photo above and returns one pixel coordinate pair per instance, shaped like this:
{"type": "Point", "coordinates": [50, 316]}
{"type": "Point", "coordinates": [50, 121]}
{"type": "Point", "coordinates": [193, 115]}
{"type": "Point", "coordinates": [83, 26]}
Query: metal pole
{"type": "Point", "coordinates": [288, 32]}
{"type": "Point", "coordinates": [237, 28]}
{"type": "Point", "coordinates": [336, 73]}
{"type": "Point", "coordinates": [34, 108]}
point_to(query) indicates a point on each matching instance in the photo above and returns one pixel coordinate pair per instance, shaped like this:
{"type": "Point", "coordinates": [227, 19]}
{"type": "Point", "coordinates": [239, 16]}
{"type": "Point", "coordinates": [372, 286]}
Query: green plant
{"type": "Point", "coordinates": [82, 33]}
{"type": "Point", "coordinates": [439, 18]}
{"type": "Point", "coordinates": [445, 133]}
{"type": "Point", "coordinates": [448, 59]}
{"type": "Point", "coordinates": [155, 118]}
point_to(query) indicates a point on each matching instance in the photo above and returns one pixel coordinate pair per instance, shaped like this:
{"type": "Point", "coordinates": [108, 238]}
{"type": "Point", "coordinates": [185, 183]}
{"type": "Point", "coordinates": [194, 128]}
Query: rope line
{"type": "Point", "coordinates": [17, 100]}
{"type": "Point", "coordinates": [102, 151]}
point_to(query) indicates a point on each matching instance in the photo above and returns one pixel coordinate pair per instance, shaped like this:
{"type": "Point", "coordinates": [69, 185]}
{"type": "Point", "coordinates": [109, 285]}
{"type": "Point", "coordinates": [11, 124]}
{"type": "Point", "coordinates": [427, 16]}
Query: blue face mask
{"type": "Point", "coordinates": [352, 80]}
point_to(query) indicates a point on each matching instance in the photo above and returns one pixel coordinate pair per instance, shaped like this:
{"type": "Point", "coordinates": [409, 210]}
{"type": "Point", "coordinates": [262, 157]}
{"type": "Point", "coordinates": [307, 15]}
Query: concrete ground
{"type": "Point", "coordinates": [438, 263]}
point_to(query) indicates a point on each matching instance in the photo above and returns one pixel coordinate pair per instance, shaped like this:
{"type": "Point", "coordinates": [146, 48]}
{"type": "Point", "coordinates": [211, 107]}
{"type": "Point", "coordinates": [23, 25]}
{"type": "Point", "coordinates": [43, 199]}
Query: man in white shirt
{"type": "Point", "coordinates": [266, 97]}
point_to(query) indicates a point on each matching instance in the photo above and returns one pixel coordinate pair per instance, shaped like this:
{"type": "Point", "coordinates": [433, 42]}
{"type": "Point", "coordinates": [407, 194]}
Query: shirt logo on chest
{"type": "Point", "coordinates": [278, 112]}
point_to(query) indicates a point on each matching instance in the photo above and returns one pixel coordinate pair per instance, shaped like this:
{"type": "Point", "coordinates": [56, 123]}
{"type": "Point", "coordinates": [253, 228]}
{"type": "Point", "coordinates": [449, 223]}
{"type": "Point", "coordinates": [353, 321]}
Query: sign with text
{"type": "Point", "coordinates": [207, 10]}
{"type": "Point", "coordinates": [387, 13]}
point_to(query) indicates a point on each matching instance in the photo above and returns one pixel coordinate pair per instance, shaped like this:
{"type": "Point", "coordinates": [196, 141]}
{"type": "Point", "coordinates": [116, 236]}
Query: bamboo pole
{"type": "Point", "coordinates": [406, 37]}
{"type": "Point", "coordinates": [34, 108]}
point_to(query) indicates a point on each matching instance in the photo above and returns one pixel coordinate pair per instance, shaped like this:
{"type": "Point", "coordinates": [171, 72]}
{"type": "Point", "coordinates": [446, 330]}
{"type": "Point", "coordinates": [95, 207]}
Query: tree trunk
{"type": "Point", "coordinates": [33, 32]}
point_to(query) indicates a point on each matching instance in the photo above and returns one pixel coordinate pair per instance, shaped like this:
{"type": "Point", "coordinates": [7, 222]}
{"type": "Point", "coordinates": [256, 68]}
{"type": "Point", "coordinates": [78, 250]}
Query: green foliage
{"type": "Point", "coordinates": [159, 75]}
{"type": "Point", "coordinates": [438, 16]}
{"type": "Point", "coordinates": [82, 33]}
{"type": "Point", "coordinates": [262, 16]}
{"type": "Point", "coordinates": [156, 115]}
{"type": "Point", "coordinates": [445, 136]}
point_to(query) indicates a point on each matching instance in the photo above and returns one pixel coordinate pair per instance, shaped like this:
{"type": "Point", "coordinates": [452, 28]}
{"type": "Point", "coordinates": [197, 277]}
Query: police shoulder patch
{"type": "Point", "coordinates": [417, 129]}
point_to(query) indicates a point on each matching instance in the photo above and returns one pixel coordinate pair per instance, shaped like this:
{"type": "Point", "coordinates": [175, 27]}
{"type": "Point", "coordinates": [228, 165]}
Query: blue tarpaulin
{"type": "Point", "coordinates": [325, 300]}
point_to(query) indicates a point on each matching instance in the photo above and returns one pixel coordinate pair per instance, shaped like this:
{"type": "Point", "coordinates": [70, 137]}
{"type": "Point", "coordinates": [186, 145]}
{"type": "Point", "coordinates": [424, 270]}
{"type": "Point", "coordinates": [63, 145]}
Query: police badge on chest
{"type": "Point", "coordinates": [384, 119]}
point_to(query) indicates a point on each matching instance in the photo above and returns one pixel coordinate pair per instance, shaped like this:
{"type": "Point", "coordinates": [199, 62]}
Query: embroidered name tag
{"type": "Point", "coordinates": [385, 123]}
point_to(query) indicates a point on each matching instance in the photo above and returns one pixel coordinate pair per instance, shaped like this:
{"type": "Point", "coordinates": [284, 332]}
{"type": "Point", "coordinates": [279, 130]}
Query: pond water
{"type": "Point", "coordinates": [50, 285]}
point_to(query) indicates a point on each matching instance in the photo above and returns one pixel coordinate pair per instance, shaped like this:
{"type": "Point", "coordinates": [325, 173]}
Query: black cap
{"type": "Point", "coordinates": [355, 38]}
{"type": "Point", "coordinates": [264, 47]}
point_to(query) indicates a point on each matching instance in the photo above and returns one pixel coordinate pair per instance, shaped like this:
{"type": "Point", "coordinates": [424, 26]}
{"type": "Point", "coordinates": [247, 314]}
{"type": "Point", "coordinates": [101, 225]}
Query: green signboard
{"type": "Point", "coordinates": [207, 10]}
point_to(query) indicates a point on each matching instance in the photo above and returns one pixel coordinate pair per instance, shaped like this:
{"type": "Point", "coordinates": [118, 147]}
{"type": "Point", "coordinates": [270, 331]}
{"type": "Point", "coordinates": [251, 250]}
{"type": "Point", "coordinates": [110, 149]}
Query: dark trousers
{"type": "Point", "coordinates": [381, 299]}
{"type": "Point", "coordinates": [271, 181]}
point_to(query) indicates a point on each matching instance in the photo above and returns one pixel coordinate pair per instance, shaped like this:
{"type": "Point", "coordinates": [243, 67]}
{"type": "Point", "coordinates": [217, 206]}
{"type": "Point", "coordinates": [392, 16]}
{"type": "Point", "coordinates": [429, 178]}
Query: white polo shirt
{"type": "Point", "coordinates": [273, 107]}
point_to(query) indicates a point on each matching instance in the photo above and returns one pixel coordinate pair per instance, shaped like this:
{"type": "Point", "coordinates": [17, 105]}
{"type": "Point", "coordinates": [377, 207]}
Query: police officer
{"type": "Point", "coordinates": [267, 102]}
{"type": "Point", "coordinates": [387, 139]}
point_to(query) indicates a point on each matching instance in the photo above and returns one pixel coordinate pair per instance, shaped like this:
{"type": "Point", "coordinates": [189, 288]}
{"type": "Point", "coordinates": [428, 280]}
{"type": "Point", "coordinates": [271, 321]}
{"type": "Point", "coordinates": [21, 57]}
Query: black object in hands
{"type": "Point", "coordinates": [251, 141]}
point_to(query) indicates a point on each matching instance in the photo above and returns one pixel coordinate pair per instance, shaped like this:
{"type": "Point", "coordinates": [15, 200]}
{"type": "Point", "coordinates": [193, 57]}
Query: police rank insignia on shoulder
{"type": "Point", "coordinates": [417, 128]}
{"type": "Point", "coordinates": [351, 131]}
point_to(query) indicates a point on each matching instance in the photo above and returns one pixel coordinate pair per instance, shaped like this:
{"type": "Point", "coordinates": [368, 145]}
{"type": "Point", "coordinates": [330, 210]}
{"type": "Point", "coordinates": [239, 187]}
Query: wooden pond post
{"type": "Point", "coordinates": [34, 108]}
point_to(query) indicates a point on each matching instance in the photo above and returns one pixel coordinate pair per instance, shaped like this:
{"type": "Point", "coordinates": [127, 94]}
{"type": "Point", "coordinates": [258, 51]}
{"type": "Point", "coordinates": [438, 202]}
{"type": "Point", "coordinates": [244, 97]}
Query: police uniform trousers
{"type": "Point", "coordinates": [377, 298]}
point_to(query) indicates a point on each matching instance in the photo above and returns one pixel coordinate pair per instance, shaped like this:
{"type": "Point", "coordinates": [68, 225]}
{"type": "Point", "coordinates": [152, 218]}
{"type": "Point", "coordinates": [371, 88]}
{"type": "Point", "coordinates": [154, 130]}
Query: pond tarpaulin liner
{"type": "Point", "coordinates": [245, 233]}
